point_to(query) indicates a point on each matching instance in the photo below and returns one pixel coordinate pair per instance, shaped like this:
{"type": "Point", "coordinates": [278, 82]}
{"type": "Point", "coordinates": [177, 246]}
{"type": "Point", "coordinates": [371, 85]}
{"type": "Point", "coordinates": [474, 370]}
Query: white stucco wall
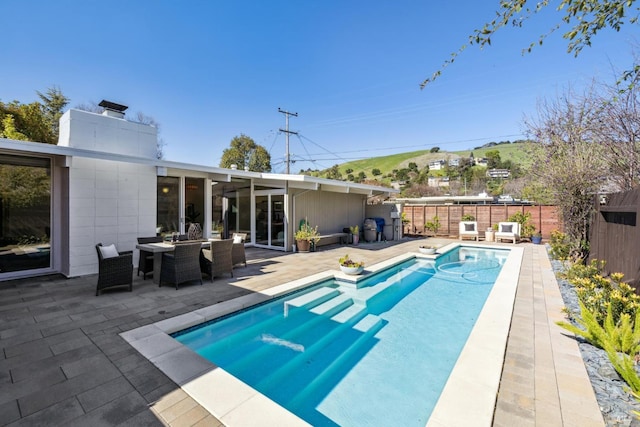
{"type": "Point", "coordinates": [109, 201]}
{"type": "Point", "coordinates": [97, 132]}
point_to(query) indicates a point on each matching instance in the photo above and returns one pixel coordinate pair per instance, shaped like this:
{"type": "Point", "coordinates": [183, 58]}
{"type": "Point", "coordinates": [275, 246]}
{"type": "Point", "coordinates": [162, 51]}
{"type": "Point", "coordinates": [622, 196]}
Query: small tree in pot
{"type": "Point", "coordinates": [305, 236]}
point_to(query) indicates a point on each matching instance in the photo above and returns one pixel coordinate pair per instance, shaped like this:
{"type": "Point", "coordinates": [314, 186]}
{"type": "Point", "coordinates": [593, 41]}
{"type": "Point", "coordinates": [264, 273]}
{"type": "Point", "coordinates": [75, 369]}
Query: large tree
{"type": "Point", "coordinates": [245, 153]}
{"type": "Point", "coordinates": [569, 160]}
{"type": "Point", "coordinates": [581, 20]}
{"type": "Point", "coordinates": [37, 121]}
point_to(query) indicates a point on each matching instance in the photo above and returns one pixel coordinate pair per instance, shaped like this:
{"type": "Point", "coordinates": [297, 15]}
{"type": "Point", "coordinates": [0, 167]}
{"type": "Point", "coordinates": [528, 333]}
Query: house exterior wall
{"type": "Point", "coordinates": [346, 210]}
{"type": "Point", "coordinates": [109, 201]}
{"type": "Point", "coordinates": [97, 132]}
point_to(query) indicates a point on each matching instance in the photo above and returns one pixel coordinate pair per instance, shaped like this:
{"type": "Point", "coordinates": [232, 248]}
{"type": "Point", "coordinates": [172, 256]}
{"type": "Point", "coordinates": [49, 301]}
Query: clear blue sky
{"type": "Point", "coordinates": [209, 70]}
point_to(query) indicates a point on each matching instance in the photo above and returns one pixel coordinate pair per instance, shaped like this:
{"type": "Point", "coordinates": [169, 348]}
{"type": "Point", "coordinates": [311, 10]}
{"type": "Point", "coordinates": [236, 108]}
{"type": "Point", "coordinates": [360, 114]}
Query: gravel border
{"type": "Point", "coordinates": [615, 402]}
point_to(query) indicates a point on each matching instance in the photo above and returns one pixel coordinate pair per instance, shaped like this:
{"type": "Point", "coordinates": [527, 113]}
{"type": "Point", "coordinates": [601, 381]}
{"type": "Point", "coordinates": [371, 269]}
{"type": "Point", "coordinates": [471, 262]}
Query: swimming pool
{"type": "Point", "coordinates": [375, 352]}
{"type": "Point", "coordinates": [472, 384]}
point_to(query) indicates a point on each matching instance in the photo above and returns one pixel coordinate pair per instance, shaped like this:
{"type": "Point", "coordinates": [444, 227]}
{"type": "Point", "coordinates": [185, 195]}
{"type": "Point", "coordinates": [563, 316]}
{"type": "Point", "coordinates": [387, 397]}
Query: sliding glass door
{"type": "Point", "coordinates": [25, 213]}
{"type": "Point", "coordinates": [270, 218]}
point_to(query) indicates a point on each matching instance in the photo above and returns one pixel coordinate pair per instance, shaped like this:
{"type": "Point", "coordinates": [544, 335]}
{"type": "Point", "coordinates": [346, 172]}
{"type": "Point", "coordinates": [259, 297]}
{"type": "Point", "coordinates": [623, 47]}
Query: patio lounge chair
{"type": "Point", "coordinates": [182, 265]}
{"type": "Point", "coordinates": [145, 262]}
{"type": "Point", "coordinates": [114, 268]}
{"type": "Point", "coordinates": [238, 255]}
{"type": "Point", "coordinates": [469, 229]}
{"type": "Point", "coordinates": [218, 259]}
{"type": "Point", "coordinates": [508, 231]}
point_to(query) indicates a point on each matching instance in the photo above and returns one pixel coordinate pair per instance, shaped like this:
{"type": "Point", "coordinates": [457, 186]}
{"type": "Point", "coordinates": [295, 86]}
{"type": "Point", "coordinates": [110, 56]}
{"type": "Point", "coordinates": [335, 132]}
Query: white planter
{"type": "Point", "coordinates": [427, 251]}
{"type": "Point", "coordinates": [351, 270]}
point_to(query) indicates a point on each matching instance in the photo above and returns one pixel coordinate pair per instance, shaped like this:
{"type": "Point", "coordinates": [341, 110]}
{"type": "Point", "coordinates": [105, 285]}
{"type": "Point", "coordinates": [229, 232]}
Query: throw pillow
{"type": "Point", "coordinates": [507, 228]}
{"type": "Point", "coordinates": [237, 239]}
{"type": "Point", "coordinates": [109, 251]}
{"type": "Point", "coordinates": [469, 227]}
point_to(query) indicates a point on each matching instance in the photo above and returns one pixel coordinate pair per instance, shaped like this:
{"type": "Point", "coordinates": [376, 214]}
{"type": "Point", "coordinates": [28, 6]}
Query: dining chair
{"type": "Point", "coordinates": [145, 262]}
{"type": "Point", "coordinates": [218, 259]}
{"type": "Point", "coordinates": [238, 255]}
{"type": "Point", "coordinates": [182, 265]}
{"type": "Point", "coordinates": [114, 268]}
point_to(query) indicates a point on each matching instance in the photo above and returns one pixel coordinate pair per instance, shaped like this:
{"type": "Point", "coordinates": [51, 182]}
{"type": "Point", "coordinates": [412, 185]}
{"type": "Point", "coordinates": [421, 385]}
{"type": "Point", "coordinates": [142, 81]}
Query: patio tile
{"type": "Point", "coordinates": [53, 325]}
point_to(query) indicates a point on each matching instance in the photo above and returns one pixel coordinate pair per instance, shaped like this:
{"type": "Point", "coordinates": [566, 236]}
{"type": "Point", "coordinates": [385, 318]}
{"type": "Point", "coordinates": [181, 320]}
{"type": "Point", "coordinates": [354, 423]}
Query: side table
{"type": "Point", "coordinates": [489, 236]}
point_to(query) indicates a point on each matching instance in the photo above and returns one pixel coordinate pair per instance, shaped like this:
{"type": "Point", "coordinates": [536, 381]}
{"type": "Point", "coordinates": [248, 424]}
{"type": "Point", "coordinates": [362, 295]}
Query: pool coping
{"type": "Point", "coordinates": [235, 403]}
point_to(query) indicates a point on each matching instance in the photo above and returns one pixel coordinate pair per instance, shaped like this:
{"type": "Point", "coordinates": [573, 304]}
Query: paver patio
{"type": "Point", "coordinates": [63, 361]}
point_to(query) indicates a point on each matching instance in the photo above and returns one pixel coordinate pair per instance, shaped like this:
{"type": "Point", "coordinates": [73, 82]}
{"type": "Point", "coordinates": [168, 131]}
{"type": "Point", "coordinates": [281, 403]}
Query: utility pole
{"type": "Point", "coordinates": [287, 132]}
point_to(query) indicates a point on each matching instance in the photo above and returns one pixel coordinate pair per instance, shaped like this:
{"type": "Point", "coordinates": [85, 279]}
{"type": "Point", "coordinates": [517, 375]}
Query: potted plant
{"type": "Point", "coordinates": [427, 249]}
{"type": "Point", "coordinates": [349, 266]}
{"type": "Point", "coordinates": [305, 236]}
{"type": "Point", "coordinates": [433, 225]}
{"type": "Point", "coordinates": [536, 238]}
{"type": "Point", "coordinates": [355, 234]}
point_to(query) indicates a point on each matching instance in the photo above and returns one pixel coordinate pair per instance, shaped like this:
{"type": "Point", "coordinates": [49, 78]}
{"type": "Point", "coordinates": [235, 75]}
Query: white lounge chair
{"type": "Point", "coordinates": [508, 231]}
{"type": "Point", "coordinates": [469, 229]}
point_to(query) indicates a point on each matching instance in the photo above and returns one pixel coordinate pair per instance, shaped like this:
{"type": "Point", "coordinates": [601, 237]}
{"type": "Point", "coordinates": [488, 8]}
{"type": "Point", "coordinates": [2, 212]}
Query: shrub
{"type": "Point", "coordinates": [468, 217]}
{"type": "Point", "coordinates": [560, 246]}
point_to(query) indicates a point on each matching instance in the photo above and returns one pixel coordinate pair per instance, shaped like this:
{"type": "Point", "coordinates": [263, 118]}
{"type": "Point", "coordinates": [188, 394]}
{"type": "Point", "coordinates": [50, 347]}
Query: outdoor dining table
{"type": "Point", "coordinates": [157, 249]}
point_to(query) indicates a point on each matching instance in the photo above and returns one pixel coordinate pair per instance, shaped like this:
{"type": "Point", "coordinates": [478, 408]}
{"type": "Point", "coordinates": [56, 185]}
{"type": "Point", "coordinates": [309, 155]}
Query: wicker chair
{"type": "Point", "coordinates": [182, 265]}
{"type": "Point", "coordinates": [238, 255]}
{"type": "Point", "coordinates": [218, 259]}
{"type": "Point", "coordinates": [145, 263]}
{"type": "Point", "coordinates": [114, 271]}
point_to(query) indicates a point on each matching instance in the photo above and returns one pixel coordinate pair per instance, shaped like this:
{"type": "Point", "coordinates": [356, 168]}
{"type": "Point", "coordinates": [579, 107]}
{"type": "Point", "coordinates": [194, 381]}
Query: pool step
{"type": "Point", "coordinates": [366, 294]}
{"type": "Point", "coordinates": [314, 314]}
{"type": "Point", "coordinates": [311, 299]}
{"type": "Point", "coordinates": [365, 329]}
{"type": "Point", "coordinates": [349, 318]}
{"type": "Point", "coordinates": [266, 320]}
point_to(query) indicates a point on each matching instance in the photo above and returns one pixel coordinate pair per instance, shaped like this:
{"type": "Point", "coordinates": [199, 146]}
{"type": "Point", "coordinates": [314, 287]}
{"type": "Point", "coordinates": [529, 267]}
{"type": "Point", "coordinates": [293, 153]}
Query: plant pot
{"type": "Point", "coordinates": [351, 270]}
{"type": "Point", "coordinates": [427, 251]}
{"type": "Point", "coordinates": [536, 240]}
{"type": "Point", "coordinates": [303, 245]}
{"type": "Point", "coordinates": [356, 239]}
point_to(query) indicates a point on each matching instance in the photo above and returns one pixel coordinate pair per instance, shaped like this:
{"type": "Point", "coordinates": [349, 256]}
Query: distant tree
{"type": "Point", "coordinates": [33, 121]}
{"type": "Point", "coordinates": [402, 174]}
{"type": "Point", "coordinates": [375, 172]}
{"type": "Point", "coordinates": [53, 105]}
{"type": "Point", "coordinates": [361, 176]}
{"type": "Point", "coordinates": [348, 170]}
{"type": "Point", "coordinates": [493, 159]}
{"type": "Point", "coordinates": [334, 173]}
{"type": "Point", "coordinates": [350, 177]}
{"type": "Point", "coordinates": [434, 150]}
{"type": "Point", "coordinates": [9, 129]}
{"type": "Point", "coordinates": [413, 166]}
{"type": "Point", "coordinates": [243, 151]}
{"type": "Point", "coordinates": [148, 120]}
{"type": "Point", "coordinates": [423, 176]}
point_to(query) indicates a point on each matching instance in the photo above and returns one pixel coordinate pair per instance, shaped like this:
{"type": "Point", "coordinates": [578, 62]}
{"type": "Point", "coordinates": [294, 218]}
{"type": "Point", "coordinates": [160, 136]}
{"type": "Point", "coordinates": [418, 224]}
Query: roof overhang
{"type": "Point", "coordinates": [165, 168]}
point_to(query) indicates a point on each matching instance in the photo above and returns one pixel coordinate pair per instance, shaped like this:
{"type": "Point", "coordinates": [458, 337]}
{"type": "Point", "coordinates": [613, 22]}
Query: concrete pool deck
{"type": "Point", "coordinates": [64, 361]}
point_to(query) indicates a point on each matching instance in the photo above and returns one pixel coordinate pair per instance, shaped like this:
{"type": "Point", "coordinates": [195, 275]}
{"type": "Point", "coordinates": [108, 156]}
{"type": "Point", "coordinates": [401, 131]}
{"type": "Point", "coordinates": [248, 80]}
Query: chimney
{"type": "Point", "coordinates": [112, 109]}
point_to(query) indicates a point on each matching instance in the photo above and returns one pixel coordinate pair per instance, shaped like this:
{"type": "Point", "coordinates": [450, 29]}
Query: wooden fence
{"type": "Point", "coordinates": [544, 218]}
{"type": "Point", "coordinates": [615, 236]}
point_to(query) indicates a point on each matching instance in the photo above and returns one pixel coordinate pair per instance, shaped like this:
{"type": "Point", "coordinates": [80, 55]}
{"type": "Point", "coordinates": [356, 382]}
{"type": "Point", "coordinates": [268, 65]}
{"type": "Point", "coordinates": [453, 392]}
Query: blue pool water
{"type": "Point", "coordinates": [372, 355]}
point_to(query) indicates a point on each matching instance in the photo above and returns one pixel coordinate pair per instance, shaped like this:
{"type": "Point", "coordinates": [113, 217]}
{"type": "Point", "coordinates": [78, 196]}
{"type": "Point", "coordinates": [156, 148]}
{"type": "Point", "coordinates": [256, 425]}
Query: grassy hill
{"type": "Point", "coordinates": [515, 152]}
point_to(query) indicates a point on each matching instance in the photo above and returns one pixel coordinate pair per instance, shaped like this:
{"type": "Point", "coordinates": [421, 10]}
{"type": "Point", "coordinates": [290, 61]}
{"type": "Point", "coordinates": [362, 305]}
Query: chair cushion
{"type": "Point", "coordinates": [469, 227]}
{"type": "Point", "coordinates": [237, 239]}
{"type": "Point", "coordinates": [506, 228]}
{"type": "Point", "coordinates": [109, 251]}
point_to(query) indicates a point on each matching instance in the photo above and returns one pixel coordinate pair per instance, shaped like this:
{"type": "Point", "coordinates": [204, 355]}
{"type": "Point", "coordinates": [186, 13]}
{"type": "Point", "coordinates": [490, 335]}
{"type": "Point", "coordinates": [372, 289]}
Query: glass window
{"type": "Point", "coordinates": [168, 210]}
{"type": "Point", "coordinates": [25, 213]}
